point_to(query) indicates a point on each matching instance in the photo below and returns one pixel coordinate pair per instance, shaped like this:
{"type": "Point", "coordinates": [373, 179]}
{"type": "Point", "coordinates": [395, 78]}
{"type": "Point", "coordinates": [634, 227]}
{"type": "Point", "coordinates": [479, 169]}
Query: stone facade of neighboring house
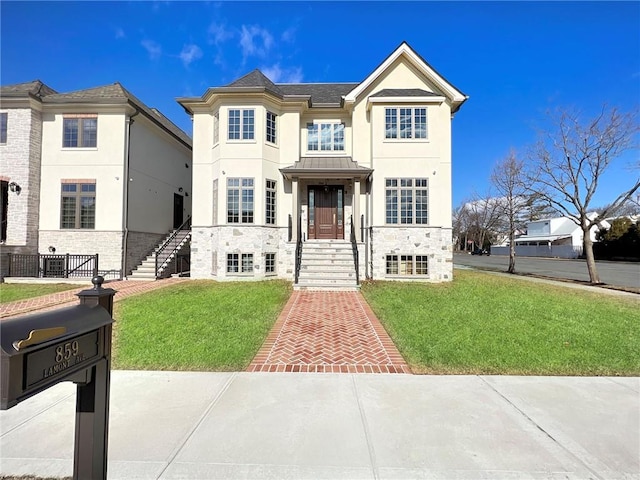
{"type": "Point", "coordinates": [90, 171]}
{"type": "Point", "coordinates": [367, 161]}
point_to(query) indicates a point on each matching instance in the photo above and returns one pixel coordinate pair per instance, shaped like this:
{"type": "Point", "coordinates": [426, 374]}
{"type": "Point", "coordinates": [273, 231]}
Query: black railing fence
{"type": "Point", "coordinates": [164, 254]}
{"type": "Point", "coordinates": [354, 246]}
{"type": "Point", "coordinates": [53, 266]}
{"type": "Point", "coordinates": [298, 249]}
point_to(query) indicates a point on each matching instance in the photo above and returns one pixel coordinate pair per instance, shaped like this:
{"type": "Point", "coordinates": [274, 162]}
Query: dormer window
{"type": "Point", "coordinates": [325, 137]}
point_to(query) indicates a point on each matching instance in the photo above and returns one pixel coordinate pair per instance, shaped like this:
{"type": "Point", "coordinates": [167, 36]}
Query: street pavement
{"type": "Point", "coordinates": [620, 274]}
{"type": "Point", "coordinates": [197, 425]}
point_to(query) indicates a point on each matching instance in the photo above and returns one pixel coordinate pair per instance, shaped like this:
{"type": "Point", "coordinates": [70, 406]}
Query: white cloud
{"type": "Point", "coordinates": [190, 53]}
{"type": "Point", "coordinates": [255, 41]}
{"type": "Point", "coordinates": [276, 74]}
{"type": "Point", "coordinates": [154, 49]}
{"type": "Point", "coordinates": [120, 33]}
{"type": "Point", "coordinates": [218, 33]}
{"type": "Point", "coordinates": [289, 34]}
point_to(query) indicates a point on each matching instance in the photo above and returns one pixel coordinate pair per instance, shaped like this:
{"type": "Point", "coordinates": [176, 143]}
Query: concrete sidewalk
{"type": "Point", "coordinates": [179, 425]}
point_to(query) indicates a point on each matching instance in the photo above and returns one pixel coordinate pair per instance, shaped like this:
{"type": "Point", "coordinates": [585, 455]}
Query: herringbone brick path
{"type": "Point", "coordinates": [124, 288]}
{"type": "Point", "coordinates": [328, 332]}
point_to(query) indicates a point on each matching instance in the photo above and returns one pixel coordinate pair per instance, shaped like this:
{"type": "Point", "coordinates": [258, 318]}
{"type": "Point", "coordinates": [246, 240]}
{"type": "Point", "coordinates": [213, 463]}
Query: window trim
{"type": "Point", "coordinates": [77, 195]}
{"type": "Point", "coordinates": [241, 189]}
{"type": "Point", "coordinates": [242, 125]}
{"type": "Point", "coordinates": [399, 190]}
{"type": "Point", "coordinates": [273, 190]}
{"type": "Point", "coordinates": [240, 270]}
{"type": "Point", "coordinates": [318, 126]}
{"type": "Point", "coordinates": [406, 257]}
{"type": "Point", "coordinates": [80, 134]}
{"type": "Point", "coordinates": [273, 127]}
{"type": "Point", "coordinates": [274, 271]}
{"type": "Point", "coordinates": [398, 119]}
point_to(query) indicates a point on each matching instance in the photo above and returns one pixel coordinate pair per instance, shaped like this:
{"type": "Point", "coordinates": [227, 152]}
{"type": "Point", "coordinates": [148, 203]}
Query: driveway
{"type": "Point", "coordinates": [620, 274]}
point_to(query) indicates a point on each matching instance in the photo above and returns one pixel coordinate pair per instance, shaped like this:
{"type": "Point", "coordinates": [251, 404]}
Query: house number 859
{"type": "Point", "coordinates": [66, 351]}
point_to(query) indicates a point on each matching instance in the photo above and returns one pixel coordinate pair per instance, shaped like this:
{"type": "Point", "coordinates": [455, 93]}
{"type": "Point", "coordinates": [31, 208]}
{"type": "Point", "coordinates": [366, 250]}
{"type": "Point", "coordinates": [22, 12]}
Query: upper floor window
{"type": "Point", "coordinates": [325, 137]}
{"type": "Point", "coordinates": [78, 205]}
{"type": "Point", "coordinates": [271, 127]}
{"type": "Point", "coordinates": [240, 200]}
{"type": "Point", "coordinates": [406, 201]}
{"type": "Point", "coordinates": [3, 127]}
{"type": "Point", "coordinates": [80, 132]}
{"type": "Point", "coordinates": [216, 127]}
{"type": "Point", "coordinates": [241, 124]}
{"type": "Point", "coordinates": [405, 122]}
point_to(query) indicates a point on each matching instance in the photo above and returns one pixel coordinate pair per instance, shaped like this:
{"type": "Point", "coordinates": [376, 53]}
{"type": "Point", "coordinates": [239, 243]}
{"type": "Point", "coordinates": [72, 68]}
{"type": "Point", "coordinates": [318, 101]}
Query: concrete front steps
{"type": "Point", "coordinates": [327, 265]}
{"type": "Point", "coordinates": [146, 271]}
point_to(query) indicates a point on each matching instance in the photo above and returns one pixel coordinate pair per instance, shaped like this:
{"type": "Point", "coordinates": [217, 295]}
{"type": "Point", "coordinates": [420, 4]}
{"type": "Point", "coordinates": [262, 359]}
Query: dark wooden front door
{"type": "Point", "coordinates": [326, 212]}
{"type": "Point", "coordinates": [178, 205]}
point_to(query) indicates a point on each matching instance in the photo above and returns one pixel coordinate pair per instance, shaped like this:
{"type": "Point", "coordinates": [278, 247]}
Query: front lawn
{"type": "Point", "coordinates": [489, 324]}
{"type": "Point", "coordinates": [197, 325]}
{"type": "Point", "coordinates": [10, 292]}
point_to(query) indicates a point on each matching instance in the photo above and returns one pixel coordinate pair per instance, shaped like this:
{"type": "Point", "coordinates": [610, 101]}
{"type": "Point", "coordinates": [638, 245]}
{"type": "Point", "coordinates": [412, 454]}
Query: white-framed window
{"type": "Point", "coordinates": [240, 200]}
{"type": "Point", "coordinates": [270, 264]}
{"type": "Point", "coordinates": [405, 123]}
{"type": "Point", "coordinates": [239, 262]}
{"type": "Point", "coordinates": [216, 128]}
{"type": "Point", "coordinates": [325, 137]}
{"type": "Point", "coordinates": [80, 132]}
{"type": "Point", "coordinates": [270, 202]}
{"type": "Point", "coordinates": [78, 205]}
{"type": "Point", "coordinates": [271, 127]}
{"type": "Point", "coordinates": [3, 127]}
{"type": "Point", "coordinates": [215, 203]}
{"type": "Point", "coordinates": [407, 265]}
{"type": "Point", "coordinates": [241, 124]}
{"type": "Point", "coordinates": [406, 201]}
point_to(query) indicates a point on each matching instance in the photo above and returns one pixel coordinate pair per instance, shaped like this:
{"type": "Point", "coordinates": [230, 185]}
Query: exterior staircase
{"type": "Point", "coordinates": [327, 265]}
{"type": "Point", "coordinates": [167, 251]}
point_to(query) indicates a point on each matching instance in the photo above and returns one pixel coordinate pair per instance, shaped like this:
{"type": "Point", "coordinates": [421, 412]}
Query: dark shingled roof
{"type": "Point", "coordinates": [256, 79]}
{"type": "Point", "coordinates": [404, 92]}
{"type": "Point", "coordinates": [320, 93]}
{"type": "Point", "coordinates": [34, 88]}
{"type": "Point", "coordinates": [116, 93]}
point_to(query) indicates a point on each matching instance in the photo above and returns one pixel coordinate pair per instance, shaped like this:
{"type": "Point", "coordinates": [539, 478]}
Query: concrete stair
{"type": "Point", "coordinates": [146, 270]}
{"type": "Point", "coordinates": [327, 265]}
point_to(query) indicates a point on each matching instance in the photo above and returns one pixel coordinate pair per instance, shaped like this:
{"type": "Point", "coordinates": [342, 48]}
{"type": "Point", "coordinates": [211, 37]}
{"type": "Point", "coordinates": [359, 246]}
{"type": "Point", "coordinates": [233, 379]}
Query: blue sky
{"type": "Point", "coordinates": [515, 60]}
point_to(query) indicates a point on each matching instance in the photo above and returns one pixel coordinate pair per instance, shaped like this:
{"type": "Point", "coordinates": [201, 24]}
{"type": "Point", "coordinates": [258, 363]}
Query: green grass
{"type": "Point", "coordinates": [10, 292]}
{"type": "Point", "coordinates": [198, 325]}
{"type": "Point", "coordinates": [488, 324]}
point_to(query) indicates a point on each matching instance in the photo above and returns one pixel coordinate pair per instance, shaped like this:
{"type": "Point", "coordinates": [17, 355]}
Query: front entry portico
{"type": "Point", "coordinates": [326, 212]}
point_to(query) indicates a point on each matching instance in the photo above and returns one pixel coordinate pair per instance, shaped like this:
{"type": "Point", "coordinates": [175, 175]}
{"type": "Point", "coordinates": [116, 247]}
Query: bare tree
{"type": "Point", "coordinates": [483, 217]}
{"type": "Point", "coordinates": [570, 159]}
{"type": "Point", "coordinates": [507, 177]}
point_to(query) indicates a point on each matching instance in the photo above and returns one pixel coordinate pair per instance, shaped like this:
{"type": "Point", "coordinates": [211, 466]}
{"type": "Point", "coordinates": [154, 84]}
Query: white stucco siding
{"type": "Point", "coordinates": [104, 164]}
{"type": "Point", "coordinates": [289, 142]}
{"type": "Point", "coordinates": [159, 167]}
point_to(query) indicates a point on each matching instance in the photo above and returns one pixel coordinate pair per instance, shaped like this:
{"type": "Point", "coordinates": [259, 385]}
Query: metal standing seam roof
{"type": "Point", "coordinates": [326, 166]}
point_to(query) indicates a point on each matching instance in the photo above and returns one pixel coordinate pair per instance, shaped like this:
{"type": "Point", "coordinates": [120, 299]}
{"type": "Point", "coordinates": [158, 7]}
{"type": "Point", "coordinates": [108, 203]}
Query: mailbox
{"type": "Point", "coordinates": [69, 344]}
{"type": "Point", "coordinates": [41, 350]}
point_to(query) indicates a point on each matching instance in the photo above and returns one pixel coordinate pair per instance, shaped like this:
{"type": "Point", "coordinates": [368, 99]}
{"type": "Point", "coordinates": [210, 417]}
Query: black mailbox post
{"type": "Point", "coordinates": [69, 344]}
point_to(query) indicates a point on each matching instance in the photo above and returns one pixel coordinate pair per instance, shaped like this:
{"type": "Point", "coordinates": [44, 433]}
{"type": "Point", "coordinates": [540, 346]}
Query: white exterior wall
{"type": "Point", "coordinates": [157, 170]}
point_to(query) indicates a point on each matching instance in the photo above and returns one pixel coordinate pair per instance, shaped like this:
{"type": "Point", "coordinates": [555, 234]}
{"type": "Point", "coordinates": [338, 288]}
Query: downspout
{"type": "Point", "coordinates": [125, 193]}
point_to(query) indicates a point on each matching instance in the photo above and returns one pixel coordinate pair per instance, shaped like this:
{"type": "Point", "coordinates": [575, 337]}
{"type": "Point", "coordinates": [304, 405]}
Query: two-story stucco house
{"type": "Point", "coordinates": [89, 172]}
{"type": "Point", "coordinates": [291, 179]}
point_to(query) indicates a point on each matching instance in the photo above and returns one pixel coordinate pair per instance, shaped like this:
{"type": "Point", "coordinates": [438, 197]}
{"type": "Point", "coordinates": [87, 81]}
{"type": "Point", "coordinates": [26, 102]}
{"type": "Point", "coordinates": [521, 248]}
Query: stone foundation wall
{"type": "Point", "coordinates": [210, 246]}
{"type": "Point", "coordinates": [435, 242]}
{"type": "Point", "coordinates": [139, 246]}
{"type": "Point", "coordinates": [108, 245]}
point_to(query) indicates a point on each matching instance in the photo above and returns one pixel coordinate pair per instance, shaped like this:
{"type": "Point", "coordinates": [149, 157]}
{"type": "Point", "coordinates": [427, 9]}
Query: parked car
{"type": "Point", "coordinates": [481, 251]}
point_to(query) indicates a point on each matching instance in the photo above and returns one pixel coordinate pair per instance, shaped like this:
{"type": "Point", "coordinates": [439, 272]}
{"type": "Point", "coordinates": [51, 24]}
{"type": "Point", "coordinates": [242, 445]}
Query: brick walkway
{"type": "Point", "coordinates": [124, 288]}
{"type": "Point", "coordinates": [328, 332]}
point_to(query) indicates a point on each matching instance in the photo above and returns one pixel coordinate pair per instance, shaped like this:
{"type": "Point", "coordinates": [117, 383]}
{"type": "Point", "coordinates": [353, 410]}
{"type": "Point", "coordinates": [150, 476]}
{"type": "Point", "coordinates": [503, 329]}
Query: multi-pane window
{"type": "Point", "coordinates": [80, 132]}
{"type": "Point", "coordinates": [405, 123]}
{"type": "Point", "coordinates": [325, 137]}
{"type": "Point", "coordinates": [270, 263]}
{"type": "Point", "coordinates": [241, 124]}
{"type": "Point", "coordinates": [78, 205]}
{"type": "Point", "coordinates": [3, 127]}
{"type": "Point", "coordinates": [270, 203]}
{"type": "Point", "coordinates": [406, 201]}
{"type": "Point", "coordinates": [240, 200]}
{"type": "Point", "coordinates": [407, 265]}
{"type": "Point", "coordinates": [216, 128]}
{"type": "Point", "coordinates": [240, 263]}
{"type": "Point", "coordinates": [271, 127]}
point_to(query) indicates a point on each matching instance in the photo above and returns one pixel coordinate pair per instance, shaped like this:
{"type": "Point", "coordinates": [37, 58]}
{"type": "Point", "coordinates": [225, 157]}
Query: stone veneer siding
{"type": "Point", "coordinates": [20, 163]}
{"type": "Point", "coordinates": [210, 246]}
{"type": "Point", "coordinates": [108, 245]}
{"type": "Point", "coordinates": [435, 242]}
{"type": "Point", "coordinates": [139, 246]}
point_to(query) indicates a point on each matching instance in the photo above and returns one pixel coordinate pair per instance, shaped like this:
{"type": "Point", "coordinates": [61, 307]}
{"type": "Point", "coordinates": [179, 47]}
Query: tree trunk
{"type": "Point", "coordinates": [512, 257]}
{"type": "Point", "coordinates": [591, 261]}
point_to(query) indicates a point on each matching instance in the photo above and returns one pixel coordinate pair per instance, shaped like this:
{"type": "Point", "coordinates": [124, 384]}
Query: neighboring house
{"type": "Point", "coordinates": [362, 165]}
{"type": "Point", "coordinates": [88, 172]}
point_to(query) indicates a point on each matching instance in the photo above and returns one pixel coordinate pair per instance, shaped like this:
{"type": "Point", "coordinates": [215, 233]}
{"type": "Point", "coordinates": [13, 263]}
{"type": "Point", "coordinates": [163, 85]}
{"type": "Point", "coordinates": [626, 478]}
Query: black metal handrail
{"type": "Point", "coordinates": [163, 258]}
{"type": "Point", "coordinates": [298, 249]}
{"type": "Point", "coordinates": [54, 266]}
{"type": "Point", "coordinates": [354, 246]}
